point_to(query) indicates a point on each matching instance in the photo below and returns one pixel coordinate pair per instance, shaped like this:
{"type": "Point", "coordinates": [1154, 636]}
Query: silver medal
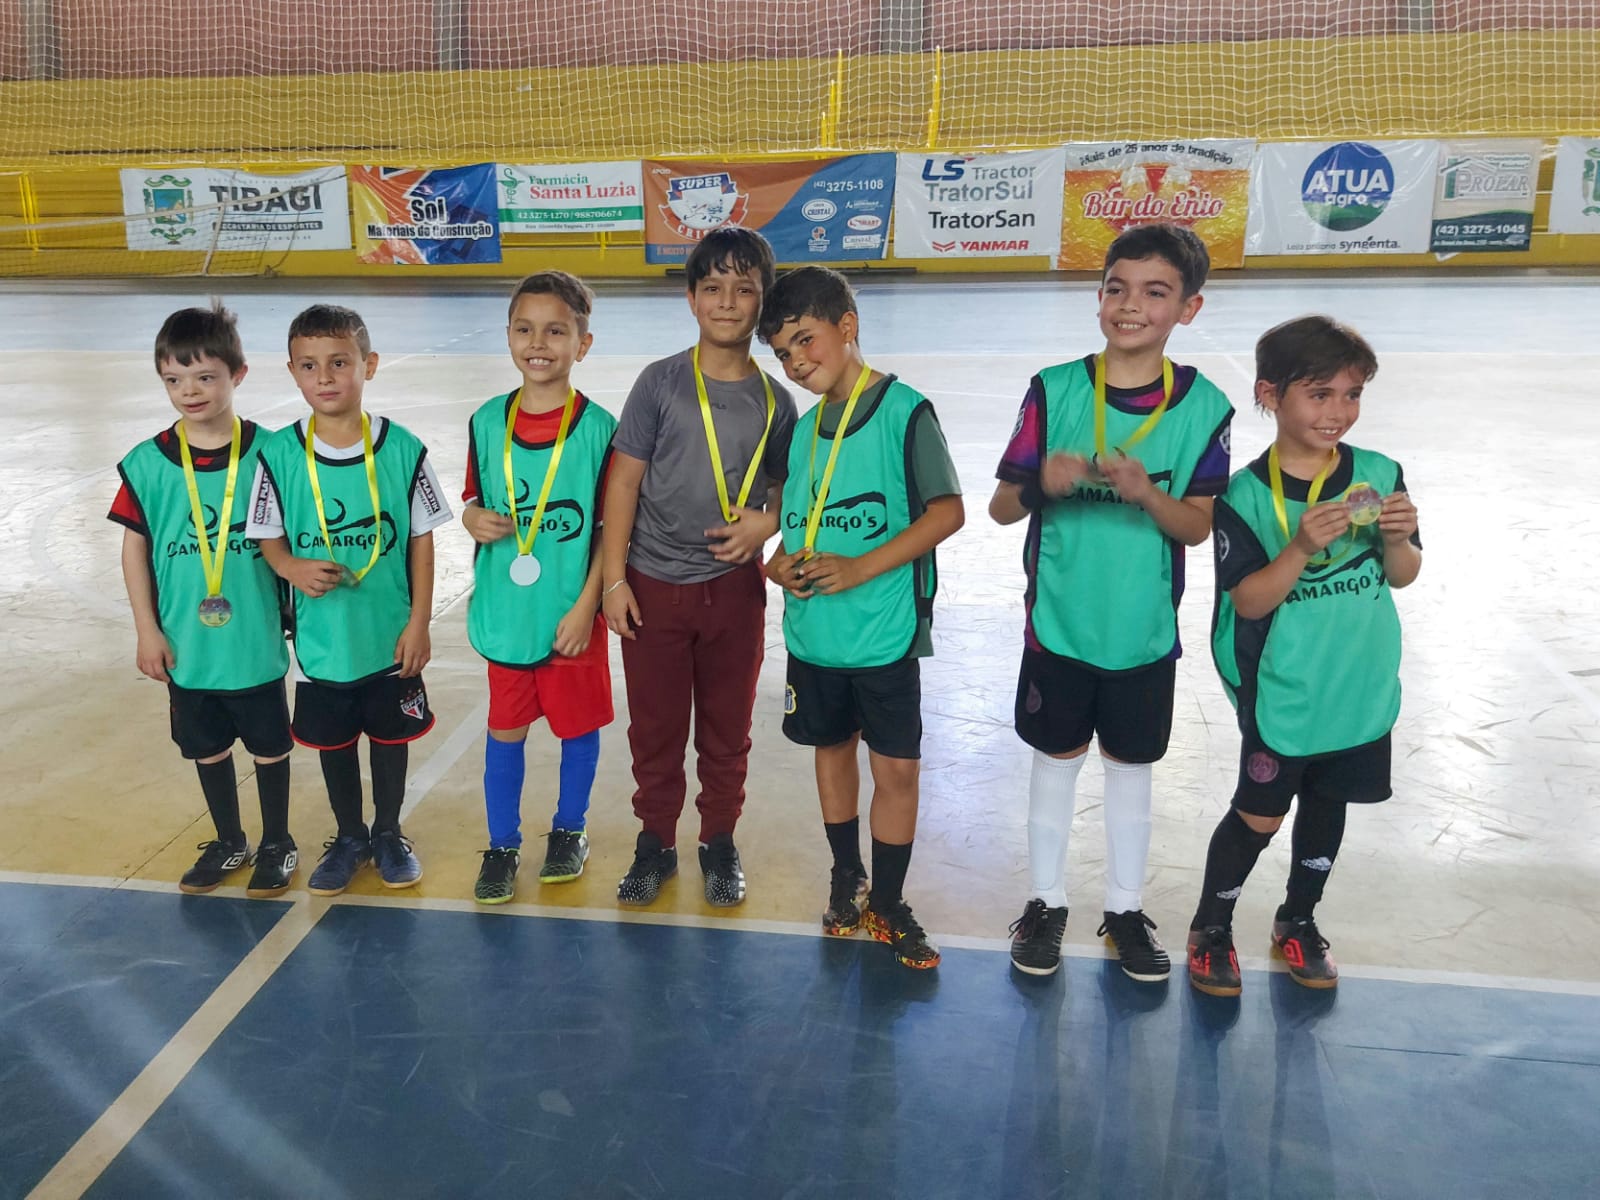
{"type": "Point", "coordinates": [525, 570]}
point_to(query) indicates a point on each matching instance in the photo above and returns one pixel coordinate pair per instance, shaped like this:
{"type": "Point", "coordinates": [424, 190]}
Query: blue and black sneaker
{"type": "Point", "coordinates": [396, 862]}
{"type": "Point", "coordinates": [342, 857]}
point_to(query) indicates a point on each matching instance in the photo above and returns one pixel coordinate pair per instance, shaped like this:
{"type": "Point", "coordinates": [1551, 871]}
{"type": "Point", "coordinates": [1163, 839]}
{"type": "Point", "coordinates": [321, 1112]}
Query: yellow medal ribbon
{"type": "Point", "coordinates": [1150, 422]}
{"type": "Point", "coordinates": [1275, 477]}
{"type": "Point", "coordinates": [211, 562]}
{"type": "Point", "coordinates": [728, 514]}
{"type": "Point", "coordinates": [372, 486]}
{"type": "Point", "coordinates": [526, 547]}
{"type": "Point", "coordinates": [814, 518]}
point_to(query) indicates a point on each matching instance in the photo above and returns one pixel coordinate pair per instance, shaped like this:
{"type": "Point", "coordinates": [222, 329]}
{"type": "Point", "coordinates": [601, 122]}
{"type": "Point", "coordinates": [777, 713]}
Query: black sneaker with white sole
{"type": "Point", "coordinates": [653, 865]}
{"type": "Point", "coordinates": [1132, 934]}
{"type": "Point", "coordinates": [1036, 938]}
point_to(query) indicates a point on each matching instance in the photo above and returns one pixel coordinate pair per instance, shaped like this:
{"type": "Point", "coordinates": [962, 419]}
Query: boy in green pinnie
{"type": "Point", "coordinates": [870, 492]}
{"type": "Point", "coordinates": [536, 463]}
{"type": "Point", "coordinates": [1312, 538]}
{"type": "Point", "coordinates": [204, 602]}
{"type": "Point", "coordinates": [345, 507]}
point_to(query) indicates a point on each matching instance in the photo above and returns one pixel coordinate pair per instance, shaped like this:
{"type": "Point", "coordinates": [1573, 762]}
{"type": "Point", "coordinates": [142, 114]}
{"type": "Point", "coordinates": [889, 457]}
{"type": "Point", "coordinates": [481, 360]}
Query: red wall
{"type": "Point", "coordinates": [537, 33]}
{"type": "Point", "coordinates": [1028, 24]}
{"type": "Point", "coordinates": [122, 38]}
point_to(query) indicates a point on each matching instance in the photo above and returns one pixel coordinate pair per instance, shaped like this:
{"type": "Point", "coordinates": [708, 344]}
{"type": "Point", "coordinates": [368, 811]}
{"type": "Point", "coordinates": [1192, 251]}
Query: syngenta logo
{"type": "Point", "coordinates": [1347, 186]}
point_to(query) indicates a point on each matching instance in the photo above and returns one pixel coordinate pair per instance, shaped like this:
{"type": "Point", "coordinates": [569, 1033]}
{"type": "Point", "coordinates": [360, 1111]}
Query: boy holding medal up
{"type": "Point", "coordinates": [1114, 462]}
{"type": "Point", "coordinates": [690, 502]}
{"type": "Point", "coordinates": [1312, 538]}
{"type": "Point", "coordinates": [345, 507]}
{"type": "Point", "coordinates": [204, 602]}
{"type": "Point", "coordinates": [535, 464]}
{"type": "Point", "coordinates": [860, 522]}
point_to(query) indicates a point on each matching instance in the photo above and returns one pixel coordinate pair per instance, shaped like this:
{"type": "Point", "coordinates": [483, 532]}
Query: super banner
{"type": "Point", "coordinates": [1483, 195]}
{"type": "Point", "coordinates": [1575, 195]}
{"type": "Point", "coordinates": [1113, 186]}
{"type": "Point", "coordinates": [426, 218]}
{"type": "Point", "coordinates": [978, 205]}
{"type": "Point", "coordinates": [573, 198]}
{"type": "Point", "coordinates": [1342, 198]}
{"type": "Point", "coordinates": [819, 210]}
{"type": "Point", "coordinates": [198, 208]}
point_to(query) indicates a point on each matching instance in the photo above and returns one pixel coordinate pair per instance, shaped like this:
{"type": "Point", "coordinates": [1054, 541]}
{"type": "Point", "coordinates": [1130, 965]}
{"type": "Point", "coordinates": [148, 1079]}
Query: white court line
{"type": "Point", "coordinates": [468, 733]}
{"type": "Point", "coordinates": [89, 1156]}
{"type": "Point", "coordinates": [1090, 950]}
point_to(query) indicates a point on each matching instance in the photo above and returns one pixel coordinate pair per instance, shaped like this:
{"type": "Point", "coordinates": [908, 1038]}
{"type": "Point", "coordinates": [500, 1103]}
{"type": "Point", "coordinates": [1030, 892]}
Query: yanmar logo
{"type": "Point", "coordinates": [1014, 246]}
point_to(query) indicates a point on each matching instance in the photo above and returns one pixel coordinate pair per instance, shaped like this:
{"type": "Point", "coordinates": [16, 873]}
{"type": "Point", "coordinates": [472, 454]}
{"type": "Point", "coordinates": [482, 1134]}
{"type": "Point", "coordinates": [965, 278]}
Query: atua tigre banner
{"type": "Point", "coordinates": [308, 210]}
{"type": "Point", "coordinates": [978, 205]}
{"type": "Point", "coordinates": [426, 218]}
{"type": "Point", "coordinates": [572, 198]}
{"type": "Point", "coordinates": [1342, 198]}
{"type": "Point", "coordinates": [1483, 195]}
{"type": "Point", "coordinates": [1112, 186]}
{"type": "Point", "coordinates": [821, 210]}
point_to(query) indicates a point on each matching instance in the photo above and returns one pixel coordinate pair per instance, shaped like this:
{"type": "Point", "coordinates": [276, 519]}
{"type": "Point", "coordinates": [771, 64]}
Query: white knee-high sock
{"type": "Point", "coordinates": [1052, 797]}
{"type": "Point", "coordinates": [1127, 834]}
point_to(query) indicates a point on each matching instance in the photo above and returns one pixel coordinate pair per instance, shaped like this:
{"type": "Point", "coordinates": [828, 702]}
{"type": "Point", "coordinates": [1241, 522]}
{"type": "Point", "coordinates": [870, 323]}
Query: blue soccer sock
{"type": "Point", "coordinates": [580, 756]}
{"type": "Point", "coordinates": [504, 765]}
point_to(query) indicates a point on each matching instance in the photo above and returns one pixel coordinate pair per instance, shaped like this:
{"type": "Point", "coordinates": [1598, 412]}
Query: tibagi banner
{"type": "Point", "coordinates": [574, 198]}
{"type": "Point", "coordinates": [1342, 198]}
{"type": "Point", "coordinates": [818, 210]}
{"type": "Point", "coordinates": [426, 218]}
{"type": "Point", "coordinates": [1575, 195]}
{"type": "Point", "coordinates": [978, 205]}
{"type": "Point", "coordinates": [1113, 186]}
{"type": "Point", "coordinates": [199, 208]}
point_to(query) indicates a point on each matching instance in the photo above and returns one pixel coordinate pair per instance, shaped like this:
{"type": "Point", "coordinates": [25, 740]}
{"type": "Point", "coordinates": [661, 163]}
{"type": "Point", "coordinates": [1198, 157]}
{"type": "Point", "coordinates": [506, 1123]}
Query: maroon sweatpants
{"type": "Point", "coordinates": [701, 645]}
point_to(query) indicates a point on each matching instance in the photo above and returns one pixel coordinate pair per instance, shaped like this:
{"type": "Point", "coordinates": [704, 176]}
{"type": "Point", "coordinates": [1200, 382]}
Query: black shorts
{"type": "Point", "coordinates": [1061, 704]}
{"type": "Point", "coordinates": [386, 708]}
{"type": "Point", "coordinates": [824, 706]}
{"type": "Point", "coordinates": [1268, 781]}
{"type": "Point", "coordinates": [206, 724]}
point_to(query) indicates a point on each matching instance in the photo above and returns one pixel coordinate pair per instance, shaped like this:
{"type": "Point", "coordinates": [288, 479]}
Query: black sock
{"type": "Point", "coordinates": [844, 839]}
{"type": "Point", "coordinates": [889, 866]}
{"type": "Point", "coordinates": [1318, 832]}
{"type": "Point", "coordinates": [272, 785]}
{"type": "Point", "coordinates": [341, 770]}
{"type": "Point", "coordinates": [388, 785]}
{"type": "Point", "coordinates": [1234, 850]}
{"type": "Point", "coordinates": [221, 788]}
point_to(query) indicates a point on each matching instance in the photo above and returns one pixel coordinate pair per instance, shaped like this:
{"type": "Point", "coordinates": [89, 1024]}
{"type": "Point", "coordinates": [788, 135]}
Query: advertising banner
{"type": "Point", "coordinates": [1575, 195]}
{"type": "Point", "coordinates": [819, 210]}
{"type": "Point", "coordinates": [1483, 194]}
{"type": "Point", "coordinates": [978, 205]}
{"type": "Point", "coordinates": [309, 210]}
{"type": "Point", "coordinates": [1342, 198]}
{"type": "Point", "coordinates": [572, 198]}
{"type": "Point", "coordinates": [418, 217]}
{"type": "Point", "coordinates": [1111, 186]}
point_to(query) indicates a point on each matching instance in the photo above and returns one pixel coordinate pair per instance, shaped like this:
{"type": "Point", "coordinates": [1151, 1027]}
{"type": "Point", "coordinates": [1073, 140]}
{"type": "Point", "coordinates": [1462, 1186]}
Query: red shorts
{"type": "Point", "coordinates": [573, 694]}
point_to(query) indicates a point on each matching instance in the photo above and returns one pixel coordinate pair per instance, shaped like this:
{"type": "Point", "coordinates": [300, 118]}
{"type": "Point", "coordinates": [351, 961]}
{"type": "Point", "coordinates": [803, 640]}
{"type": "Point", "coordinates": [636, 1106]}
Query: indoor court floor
{"type": "Point", "coordinates": [413, 1044]}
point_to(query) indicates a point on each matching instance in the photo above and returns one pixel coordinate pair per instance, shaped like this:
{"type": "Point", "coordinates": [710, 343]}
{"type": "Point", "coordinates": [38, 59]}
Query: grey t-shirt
{"type": "Point", "coordinates": [661, 425]}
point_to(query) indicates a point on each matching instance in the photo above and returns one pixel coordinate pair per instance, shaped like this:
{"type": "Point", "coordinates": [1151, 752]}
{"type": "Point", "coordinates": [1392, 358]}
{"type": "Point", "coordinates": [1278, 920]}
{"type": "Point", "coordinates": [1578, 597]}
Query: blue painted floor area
{"type": "Point", "coordinates": [415, 1053]}
{"type": "Point", "coordinates": [93, 982]}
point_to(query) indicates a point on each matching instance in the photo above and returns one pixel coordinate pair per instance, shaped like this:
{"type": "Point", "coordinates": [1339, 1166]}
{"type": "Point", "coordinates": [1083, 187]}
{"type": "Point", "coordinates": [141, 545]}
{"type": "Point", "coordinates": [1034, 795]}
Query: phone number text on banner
{"type": "Point", "coordinates": [572, 198]}
{"type": "Point", "coordinates": [819, 210]}
{"type": "Point", "coordinates": [422, 217]}
{"type": "Point", "coordinates": [978, 205]}
{"type": "Point", "coordinates": [202, 208]}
